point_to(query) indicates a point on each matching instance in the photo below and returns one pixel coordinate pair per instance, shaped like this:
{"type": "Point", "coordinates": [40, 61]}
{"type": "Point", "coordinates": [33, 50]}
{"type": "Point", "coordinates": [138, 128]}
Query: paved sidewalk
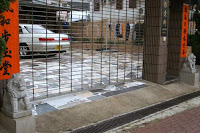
{"type": "Point", "coordinates": [60, 72]}
{"type": "Point", "coordinates": [185, 122]}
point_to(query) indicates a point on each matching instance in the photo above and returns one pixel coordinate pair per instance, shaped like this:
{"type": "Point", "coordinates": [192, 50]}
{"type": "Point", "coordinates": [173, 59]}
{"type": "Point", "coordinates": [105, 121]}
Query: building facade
{"type": "Point", "coordinates": [116, 10]}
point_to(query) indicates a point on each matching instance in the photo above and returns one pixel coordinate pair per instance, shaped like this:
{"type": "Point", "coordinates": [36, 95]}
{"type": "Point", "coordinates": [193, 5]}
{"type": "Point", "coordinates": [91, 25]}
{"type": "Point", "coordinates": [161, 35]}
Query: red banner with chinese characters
{"type": "Point", "coordinates": [9, 32]}
{"type": "Point", "coordinates": [184, 36]}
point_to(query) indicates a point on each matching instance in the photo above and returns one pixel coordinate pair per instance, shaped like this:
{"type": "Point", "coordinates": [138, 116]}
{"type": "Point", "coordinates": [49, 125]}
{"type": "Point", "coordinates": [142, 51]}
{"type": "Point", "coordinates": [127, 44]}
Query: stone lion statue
{"type": "Point", "coordinates": [192, 62]}
{"type": "Point", "coordinates": [189, 65]}
{"type": "Point", "coordinates": [17, 92]}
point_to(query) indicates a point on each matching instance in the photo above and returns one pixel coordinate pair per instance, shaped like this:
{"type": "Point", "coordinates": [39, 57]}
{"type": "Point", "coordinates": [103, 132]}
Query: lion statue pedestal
{"type": "Point", "coordinates": [16, 102]}
{"type": "Point", "coordinates": [188, 72]}
{"type": "Point", "coordinates": [16, 113]}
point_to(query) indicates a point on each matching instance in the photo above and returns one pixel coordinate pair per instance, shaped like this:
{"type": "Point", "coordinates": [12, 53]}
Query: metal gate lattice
{"type": "Point", "coordinates": [68, 45]}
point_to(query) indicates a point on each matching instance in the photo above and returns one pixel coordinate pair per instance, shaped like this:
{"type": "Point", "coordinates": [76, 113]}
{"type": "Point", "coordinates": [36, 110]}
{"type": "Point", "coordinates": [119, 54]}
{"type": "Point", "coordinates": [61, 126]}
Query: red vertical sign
{"type": "Point", "coordinates": [184, 36]}
{"type": "Point", "coordinates": [9, 32]}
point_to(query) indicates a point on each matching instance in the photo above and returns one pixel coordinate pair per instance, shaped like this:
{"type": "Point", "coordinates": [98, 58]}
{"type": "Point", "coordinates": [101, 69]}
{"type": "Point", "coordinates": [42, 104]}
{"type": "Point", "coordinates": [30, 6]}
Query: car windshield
{"type": "Point", "coordinates": [37, 29]}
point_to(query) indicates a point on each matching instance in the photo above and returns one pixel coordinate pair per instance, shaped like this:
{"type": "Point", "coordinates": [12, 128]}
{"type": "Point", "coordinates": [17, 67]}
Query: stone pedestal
{"type": "Point", "coordinates": [190, 78]}
{"type": "Point", "coordinates": [17, 115]}
{"type": "Point", "coordinates": [20, 125]}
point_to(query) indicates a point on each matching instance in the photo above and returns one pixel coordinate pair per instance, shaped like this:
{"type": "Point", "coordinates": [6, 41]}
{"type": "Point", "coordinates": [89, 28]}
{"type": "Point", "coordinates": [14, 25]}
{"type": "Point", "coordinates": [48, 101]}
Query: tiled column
{"type": "Point", "coordinates": [155, 49]}
{"type": "Point", "coordinates": [174, 38]}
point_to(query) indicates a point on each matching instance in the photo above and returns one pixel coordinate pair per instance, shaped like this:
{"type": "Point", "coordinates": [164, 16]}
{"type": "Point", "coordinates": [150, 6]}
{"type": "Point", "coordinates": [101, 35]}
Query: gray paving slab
{"type": "Point", "coordinates": [44, 108]}
{"type": "Point", "coordinates": [112, 93]}
{"type": "Point", "coordinates": [97, 97]}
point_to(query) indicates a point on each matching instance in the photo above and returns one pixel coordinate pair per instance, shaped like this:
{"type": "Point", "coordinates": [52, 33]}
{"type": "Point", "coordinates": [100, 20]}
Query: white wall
{"type": "Point", "coordinates": [77, 16]}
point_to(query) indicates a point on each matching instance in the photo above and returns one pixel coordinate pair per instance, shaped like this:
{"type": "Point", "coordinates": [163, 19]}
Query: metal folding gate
{"type": "Point", "coordinates": [68, 45]}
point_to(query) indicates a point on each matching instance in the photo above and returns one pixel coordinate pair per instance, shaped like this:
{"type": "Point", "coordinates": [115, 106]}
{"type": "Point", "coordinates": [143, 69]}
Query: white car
{"type": "Point", "coordinates": [37, 39]}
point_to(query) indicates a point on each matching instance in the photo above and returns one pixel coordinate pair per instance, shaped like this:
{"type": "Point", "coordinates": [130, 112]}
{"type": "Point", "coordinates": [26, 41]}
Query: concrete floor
{"type": "Point", "coordinates": [89, 113]}
{"type": "Point", "coordinates": [72, 117]}
{"type": "Point", "coordinates": [68, 117]}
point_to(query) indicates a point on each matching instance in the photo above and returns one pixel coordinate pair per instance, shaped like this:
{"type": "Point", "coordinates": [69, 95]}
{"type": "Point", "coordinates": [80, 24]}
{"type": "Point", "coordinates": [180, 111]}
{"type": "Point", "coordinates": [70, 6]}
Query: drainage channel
{"type": "Point", "coordinates": [132, 116]}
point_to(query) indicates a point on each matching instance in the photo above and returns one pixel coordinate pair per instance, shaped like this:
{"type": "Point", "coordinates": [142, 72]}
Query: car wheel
{"type": "Point", "coordinates": [24, 50]}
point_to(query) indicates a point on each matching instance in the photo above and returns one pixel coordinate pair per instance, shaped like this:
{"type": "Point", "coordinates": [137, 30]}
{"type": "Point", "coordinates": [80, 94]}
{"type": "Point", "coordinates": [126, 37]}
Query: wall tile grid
{"type": "Point", "coordinates": [155, 51]}
{"type": "Point", "coordinates": [174, 38]}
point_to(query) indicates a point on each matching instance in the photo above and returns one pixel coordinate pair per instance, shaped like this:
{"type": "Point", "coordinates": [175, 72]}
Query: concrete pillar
{"type": "Point", "coordinates": [155, 49]}
{"type": "Point", "coordinates": [174, 38]}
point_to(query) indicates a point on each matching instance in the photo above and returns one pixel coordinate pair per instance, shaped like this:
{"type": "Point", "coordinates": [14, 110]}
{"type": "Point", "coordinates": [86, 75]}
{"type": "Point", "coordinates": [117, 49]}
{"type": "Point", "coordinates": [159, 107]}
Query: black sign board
{"type": "Point", "coordinates": [165, 14]}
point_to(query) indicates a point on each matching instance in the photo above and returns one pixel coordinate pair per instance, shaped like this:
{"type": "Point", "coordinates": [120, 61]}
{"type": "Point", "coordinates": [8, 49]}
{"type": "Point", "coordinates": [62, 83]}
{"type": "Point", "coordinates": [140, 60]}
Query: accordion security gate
{"type": "Point", "coordinates": [68, 46]}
